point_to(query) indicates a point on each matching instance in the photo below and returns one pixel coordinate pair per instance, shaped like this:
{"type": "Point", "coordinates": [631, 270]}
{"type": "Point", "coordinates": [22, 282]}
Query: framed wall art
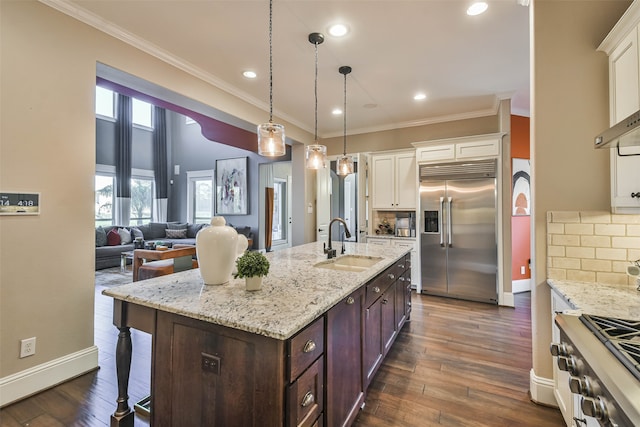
{"type": "Point", "coordinates": [231, 186]}
{"type": "Point", "coordinates": [521, 197]}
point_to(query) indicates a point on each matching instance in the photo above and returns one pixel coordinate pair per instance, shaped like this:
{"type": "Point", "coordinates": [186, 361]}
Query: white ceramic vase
{"type": "Point", "coordinates": [254, 283]}
{"type": "Point", "coordinates": [217, 249]}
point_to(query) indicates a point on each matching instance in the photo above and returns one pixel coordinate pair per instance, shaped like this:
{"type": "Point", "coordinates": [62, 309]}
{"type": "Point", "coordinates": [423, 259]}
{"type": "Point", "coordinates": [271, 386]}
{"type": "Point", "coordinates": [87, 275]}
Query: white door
{"type": "Point", "coordinates": [350, 205]}
{"type": "Point", "coordinates": [323, 203]}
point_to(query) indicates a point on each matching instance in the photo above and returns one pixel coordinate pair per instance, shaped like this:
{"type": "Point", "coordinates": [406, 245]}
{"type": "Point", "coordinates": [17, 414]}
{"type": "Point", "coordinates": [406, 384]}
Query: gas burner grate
{"type": "Point", "coordinates": [607, 328]}
{"type": "Point", "coordinates": [628, 353]}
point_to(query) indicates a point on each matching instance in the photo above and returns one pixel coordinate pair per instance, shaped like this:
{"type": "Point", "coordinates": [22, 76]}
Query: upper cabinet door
{"type": "Point", "coordinates": [624, 92]}
{"type": "Point", "coordinates": [382, 182]}
{"type": "Point", "coordinates": [405, 181]}
{"type": "Point", "coordinates": [624, 78]}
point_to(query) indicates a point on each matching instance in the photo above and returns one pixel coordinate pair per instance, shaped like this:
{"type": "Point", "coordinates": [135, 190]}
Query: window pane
{"type": "Point", "coordinates": [203, 197]}
{"type": "Point", "coordinates": [141, 200]}
{"type": "Point", "coordinates": [104, 200]}
{"type": "Point", "coordinates": [141, 113]}
{"type": "Point", "coordinates": [105, 102]}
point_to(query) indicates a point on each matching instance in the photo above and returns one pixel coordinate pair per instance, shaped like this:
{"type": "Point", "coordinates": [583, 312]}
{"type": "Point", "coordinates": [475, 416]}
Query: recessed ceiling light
{"type": "Point", "coordinates": [338, 30]}
{"type": "Point", "coordinates": [419, 96]}
{"type": "Point", "coordinates": [250, 74]}
{"type": "Point", "coordinates": [336, 111]}
{"type": "Point", "coordinates": [477, 8]}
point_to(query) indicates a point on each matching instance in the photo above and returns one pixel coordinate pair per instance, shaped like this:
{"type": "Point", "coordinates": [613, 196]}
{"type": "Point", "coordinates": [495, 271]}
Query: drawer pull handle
{"type": "Point", "coordinates": [350, 300]}
{"type": "Point", "coordinates": [401, 279]}
{"type": "Point", "coordinates": [307, 400]}
{"type": "Point", "coordinates": [385, 301]}
{"type": "Point", "coordinates": [309, 346]}
{"type": "Point", "coordinates": [400, 265]}
{"type": "Point", "coordinates": [376, 289]}
{"type": "Point", "coordinates": [392, 277]}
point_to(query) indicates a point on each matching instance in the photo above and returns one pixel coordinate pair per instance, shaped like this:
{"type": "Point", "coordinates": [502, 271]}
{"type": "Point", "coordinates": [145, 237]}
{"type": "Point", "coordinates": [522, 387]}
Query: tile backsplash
{"type": "Point", "coordinates": [592, 246]}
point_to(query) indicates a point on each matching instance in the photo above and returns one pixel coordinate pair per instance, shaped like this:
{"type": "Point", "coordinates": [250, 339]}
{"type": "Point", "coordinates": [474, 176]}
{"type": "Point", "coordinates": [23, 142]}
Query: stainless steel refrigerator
{"type": "Point", "coordinates": [458, 236]}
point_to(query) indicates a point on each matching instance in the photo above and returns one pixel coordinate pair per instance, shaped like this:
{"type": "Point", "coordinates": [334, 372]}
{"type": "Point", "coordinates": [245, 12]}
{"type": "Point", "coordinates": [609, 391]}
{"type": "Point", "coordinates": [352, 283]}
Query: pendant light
{"type": "Point", "coordinates": [316, 153]}
{"type": "Point", "coordinates": [345, 163]}
{"type": "Point", "coordinates": [271, 140]}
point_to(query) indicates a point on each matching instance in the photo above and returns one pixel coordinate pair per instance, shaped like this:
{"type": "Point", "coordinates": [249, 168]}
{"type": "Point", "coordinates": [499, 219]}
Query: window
{"type": "Point", "coordinates": [200, 196]}
{"type": "Point", "coordinates": [104, 201]}
{"type": "Point", "coordinates": [141, 113]}
{"type": "Point", "coordinates": [279, 228]}
{"type": "Point", "coordinates": [105, 103]}
{"type": "Point", "coordinates": [106, 204]}
{"type": "Point", "coordinates": [142, 189]}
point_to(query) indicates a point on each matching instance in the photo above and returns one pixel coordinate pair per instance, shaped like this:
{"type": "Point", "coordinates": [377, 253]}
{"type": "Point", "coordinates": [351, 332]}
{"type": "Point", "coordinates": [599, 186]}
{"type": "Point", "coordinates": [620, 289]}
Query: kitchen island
{"type": "Point", "coordinates": [301, 351]}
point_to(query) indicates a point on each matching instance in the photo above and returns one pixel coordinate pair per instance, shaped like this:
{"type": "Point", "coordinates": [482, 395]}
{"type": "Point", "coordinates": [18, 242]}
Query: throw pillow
{"type": "Point", "coordinates": [125, 236]}
{"type": "Point", "coordinates": [176, 226]}
{"type": "Point", "coordinates": [113, 238]}
{"type": "Point", "coordinates": [176, 234]}
{"type": "Point", "coordinates": [156, 230]}
{"type": "Point", "coordinates": [192, 230]}
{"type": "Point", "coordinates": [135, 233]}
{"type": "Point", "coordinates": [101, 236]}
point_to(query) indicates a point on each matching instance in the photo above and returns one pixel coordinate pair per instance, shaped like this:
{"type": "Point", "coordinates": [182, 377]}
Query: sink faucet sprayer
{"type": "Point", "coordinates": [331, 253]}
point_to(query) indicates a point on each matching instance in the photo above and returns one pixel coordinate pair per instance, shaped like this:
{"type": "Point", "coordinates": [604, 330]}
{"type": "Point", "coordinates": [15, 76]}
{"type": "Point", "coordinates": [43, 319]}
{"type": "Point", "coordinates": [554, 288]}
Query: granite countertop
{"type": "Point", "coordinates": [390, 236]}
{"type": "Point", "coordinates": [599, 299]}
{"type": "Point", "coordinates": [293, 294]}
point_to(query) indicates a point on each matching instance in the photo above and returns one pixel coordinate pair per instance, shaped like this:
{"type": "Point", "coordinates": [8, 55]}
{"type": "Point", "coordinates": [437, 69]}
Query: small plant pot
{"type": "Point", "coordinates": [253, 283]}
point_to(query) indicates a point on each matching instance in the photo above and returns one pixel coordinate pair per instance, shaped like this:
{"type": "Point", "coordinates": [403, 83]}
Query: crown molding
{"type": "Point", "coordinates": [627, 22]}
{"type": "Point", "coordinates": [93, 20]}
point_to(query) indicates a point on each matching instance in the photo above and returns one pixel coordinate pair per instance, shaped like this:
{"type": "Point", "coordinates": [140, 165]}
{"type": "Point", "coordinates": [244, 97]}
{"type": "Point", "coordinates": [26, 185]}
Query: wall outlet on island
{"type": "Point", "coordinates": [27, 347]}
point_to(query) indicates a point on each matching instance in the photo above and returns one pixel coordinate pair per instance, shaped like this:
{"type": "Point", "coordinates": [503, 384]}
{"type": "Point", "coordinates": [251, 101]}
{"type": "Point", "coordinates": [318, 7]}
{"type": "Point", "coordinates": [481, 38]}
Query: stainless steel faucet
{"type": "Point", "coordinates": [331, 253]}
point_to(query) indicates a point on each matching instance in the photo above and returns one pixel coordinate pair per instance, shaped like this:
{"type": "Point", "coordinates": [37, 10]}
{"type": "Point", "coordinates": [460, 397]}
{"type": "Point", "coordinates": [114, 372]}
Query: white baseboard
{"type": "Point", "coordinates": [33, 380]}
{"type": "Point", "coordinates": [523, 285]}
{"type": "Point", "coordinates": [541, 390]}
{"type": "Point", "coordinates": [507, 300]}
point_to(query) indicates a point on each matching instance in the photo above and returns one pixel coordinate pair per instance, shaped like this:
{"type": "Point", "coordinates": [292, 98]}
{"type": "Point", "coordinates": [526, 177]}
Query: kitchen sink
{"type": "Point", "coordinates": [355, 263]}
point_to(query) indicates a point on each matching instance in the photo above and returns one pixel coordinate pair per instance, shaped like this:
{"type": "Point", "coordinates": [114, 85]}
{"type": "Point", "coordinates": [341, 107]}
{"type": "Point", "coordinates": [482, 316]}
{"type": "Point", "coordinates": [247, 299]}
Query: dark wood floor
{"type": "Point", "coordinates": [455, 364]}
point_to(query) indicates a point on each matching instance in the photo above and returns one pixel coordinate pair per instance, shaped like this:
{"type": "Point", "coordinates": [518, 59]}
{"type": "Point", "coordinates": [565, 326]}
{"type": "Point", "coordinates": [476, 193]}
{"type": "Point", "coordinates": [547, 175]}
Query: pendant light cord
{"type": "Point", "coordinates": [270, 61]}
{"type": "Point", "coordinates": [316, 95]}
{"type": "Point", "coordinates": [344, 113]}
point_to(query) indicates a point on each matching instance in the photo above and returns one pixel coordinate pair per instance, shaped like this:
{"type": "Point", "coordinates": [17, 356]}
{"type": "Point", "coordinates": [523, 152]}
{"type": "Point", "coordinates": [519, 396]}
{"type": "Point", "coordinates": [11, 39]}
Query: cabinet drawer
{"type": "Point", "coordinates": [480, 148]}
{"type": "Point", "coordinates": [379, 285]}
{"type": "Point", "coordinates": [305, 347]}
{"type": "Point", "coordinates": [305, 397]}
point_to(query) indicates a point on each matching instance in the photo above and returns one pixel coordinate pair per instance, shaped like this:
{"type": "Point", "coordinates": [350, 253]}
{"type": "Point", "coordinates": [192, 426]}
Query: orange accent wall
{"type": "Point", "coordinates": [520, 225]}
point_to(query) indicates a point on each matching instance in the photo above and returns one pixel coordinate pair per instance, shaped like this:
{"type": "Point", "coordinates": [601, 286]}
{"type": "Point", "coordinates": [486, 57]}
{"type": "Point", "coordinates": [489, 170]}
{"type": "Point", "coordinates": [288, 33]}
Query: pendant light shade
{"type": "Point", "coordinates": [316, 154]}
{"type": "Point", "coordinates": [271, 139]}
{"type": "Point", "coordinates": [345, 163]}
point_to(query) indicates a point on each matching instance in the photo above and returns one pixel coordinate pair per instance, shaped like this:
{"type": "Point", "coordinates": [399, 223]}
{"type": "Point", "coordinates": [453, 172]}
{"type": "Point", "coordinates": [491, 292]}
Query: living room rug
{"type": "Point", "coordinates": [109, 277]}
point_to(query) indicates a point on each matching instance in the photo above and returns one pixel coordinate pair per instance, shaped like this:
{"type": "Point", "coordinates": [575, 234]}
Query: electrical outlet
{"type": "Point", "coordinates": [522, 269]}
{"type": "Point", "coordinates": [210, 363]}
{"type": "Point", "coordinates": [27, 347]}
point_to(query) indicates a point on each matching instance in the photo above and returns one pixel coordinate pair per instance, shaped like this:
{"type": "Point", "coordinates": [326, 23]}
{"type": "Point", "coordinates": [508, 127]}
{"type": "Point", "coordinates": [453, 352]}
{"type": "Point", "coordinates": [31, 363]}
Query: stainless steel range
{"type": "Point", "coordinates": [602, 356]}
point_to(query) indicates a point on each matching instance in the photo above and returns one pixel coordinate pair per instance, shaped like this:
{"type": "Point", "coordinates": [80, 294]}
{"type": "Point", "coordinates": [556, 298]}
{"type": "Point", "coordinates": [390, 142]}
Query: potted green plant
{"type": "Point", "coordinates": [252, 266]}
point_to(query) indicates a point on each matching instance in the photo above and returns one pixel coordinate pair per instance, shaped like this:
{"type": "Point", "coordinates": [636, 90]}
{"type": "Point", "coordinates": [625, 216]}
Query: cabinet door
{"type": "Point", "coordinates": [388, 318]}
{"type": "Point", "coordinates": [625, 100]}
{"type": "Point", "coordinates": [405, 183]}
{"type": "Point", "coordinates": [372, 355]}
{"type": "Point", "coordinates": [400, 300]}
{"type": "Point", "coordinates": [343, 353]}
{"type": "Point", "coordinates": [382, 179]}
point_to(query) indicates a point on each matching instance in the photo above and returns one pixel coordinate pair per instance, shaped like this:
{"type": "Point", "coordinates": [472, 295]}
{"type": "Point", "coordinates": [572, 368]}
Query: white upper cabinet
{"type": "Point", "coordinates": [622, 46]}
{"type": "Point", "coordinates": [393, 181]}
{"type": "Point", "coordinates": [465, 148]}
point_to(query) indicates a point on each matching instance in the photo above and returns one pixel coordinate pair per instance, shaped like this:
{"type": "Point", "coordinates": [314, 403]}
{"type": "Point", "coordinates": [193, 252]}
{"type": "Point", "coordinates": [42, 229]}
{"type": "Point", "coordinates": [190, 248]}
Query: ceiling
{"type": "Point", "coordinates": [464, 64]}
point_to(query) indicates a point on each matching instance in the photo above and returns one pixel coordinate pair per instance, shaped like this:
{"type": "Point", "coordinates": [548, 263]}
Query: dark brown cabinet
{"type": "Point", "coordinates": [388, 318]}
{"type": "Point", "coordinates": [344, 385]}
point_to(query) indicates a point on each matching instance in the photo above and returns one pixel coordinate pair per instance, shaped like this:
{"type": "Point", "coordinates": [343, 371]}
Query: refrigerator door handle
{"type": "Point", "coordinates": [440, 221]}
{"type": "Point", "coordinates": [449, 222]}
